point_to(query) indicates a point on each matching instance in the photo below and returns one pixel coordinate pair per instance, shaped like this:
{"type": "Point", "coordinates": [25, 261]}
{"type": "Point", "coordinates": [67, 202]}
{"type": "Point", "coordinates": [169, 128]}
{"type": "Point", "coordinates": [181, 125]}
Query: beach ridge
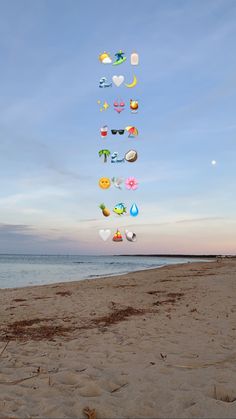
{"type": "Point", "coordinates": [154, 343]}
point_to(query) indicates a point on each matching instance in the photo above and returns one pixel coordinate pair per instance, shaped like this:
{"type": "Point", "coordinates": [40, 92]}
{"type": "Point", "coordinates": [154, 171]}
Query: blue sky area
{"type": "Point", "coordinates": [50, 122]}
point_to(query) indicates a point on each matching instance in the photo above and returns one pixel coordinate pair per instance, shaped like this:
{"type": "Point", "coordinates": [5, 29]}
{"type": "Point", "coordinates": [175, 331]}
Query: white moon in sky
{"type": "Point", "coordinates": [213, 162]}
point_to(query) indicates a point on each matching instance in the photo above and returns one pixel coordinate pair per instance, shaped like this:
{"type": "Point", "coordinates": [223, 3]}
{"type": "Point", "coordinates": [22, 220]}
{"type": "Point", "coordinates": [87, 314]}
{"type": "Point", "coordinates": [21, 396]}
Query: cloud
{"type": "Point", "coordinates": [88, 220]}
{"type": "Point", "coordinates": [173, 222]}
{"type": "Point", "coordinates": [67, 173]}
{"type": "Point", "coordinates": [22, 238]}
{"type": "Point", "coordinates": [197, 220]}
{"type": "Point", "coordinates": [32, 196]}
{"type": "Point", "coordinates": [14, 229]}
{"type": "Point", "coordinates": [107, 60]}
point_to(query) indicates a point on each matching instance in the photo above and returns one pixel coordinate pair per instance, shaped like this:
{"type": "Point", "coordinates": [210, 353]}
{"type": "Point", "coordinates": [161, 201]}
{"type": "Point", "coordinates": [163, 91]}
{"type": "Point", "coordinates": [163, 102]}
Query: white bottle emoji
{"type": "Point", "coordinates": [134, 58]}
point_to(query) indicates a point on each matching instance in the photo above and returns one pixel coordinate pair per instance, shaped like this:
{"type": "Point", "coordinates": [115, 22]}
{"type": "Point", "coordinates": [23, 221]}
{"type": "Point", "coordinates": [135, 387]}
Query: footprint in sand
{"type": "Point", "coordinates": [67, 378]}
{"type": "Point", "coordinates": [90, 390]}
{"type": "Point", "coordinates": [224, 393]}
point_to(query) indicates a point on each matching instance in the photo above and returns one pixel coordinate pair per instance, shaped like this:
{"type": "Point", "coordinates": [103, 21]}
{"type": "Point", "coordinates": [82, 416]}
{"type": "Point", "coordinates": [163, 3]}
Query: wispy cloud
{"type": "Point", "coordinates": [15, 229]}
{"type": "Point", "coordinates": [173, 222]}
{"type": "Point", "coordinates": [19, 238]}
{"type": "Point", "coordinates": [200, 220]}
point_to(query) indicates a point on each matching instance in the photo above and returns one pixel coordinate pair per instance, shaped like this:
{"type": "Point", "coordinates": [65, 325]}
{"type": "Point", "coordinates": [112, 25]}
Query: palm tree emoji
{"type": "Point", "coordinates": [105, 153]}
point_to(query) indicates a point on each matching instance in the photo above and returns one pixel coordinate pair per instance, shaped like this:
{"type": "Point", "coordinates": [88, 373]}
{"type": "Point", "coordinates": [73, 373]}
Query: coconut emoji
{"type": "Point", "coordinates": [131, 156]}
{"type": "Point", "coordinates": [105, 210]}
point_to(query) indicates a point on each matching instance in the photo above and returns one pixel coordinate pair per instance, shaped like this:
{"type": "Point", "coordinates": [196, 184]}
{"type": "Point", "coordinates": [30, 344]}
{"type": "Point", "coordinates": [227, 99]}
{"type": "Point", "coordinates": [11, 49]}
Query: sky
{"type": "Point", "coordinates": [50, 125]}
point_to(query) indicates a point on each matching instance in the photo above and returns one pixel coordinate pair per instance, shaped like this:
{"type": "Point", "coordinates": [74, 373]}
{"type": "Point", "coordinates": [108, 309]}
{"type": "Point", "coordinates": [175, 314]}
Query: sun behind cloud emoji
{"type": "Point", "coordinates": [105, 58]}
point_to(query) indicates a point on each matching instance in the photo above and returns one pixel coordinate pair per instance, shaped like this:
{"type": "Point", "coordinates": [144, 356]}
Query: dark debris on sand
{"type": "Point", "coordinates": [27, 330]}
{"type": "Point", "coordinates": [36, 329]}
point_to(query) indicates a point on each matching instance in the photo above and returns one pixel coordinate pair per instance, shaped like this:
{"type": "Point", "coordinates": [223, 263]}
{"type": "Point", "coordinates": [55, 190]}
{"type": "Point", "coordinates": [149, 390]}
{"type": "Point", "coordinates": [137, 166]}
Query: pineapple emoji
{"type": "Point", "coordinates": [105, 210]}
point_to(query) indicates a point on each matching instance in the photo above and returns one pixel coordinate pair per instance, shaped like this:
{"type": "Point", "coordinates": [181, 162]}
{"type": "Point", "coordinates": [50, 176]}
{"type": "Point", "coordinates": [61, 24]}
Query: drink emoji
{"type": "Point", "coordinates": [104, 131]}
{"type": "Point", "coordinates": [133, 106]}
{"type": "Point", "coordinates": [134, 58]}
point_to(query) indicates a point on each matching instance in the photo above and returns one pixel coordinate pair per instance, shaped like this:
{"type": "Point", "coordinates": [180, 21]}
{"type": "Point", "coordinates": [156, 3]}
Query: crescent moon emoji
{"type": "Point", "coordinates": [134, 82]}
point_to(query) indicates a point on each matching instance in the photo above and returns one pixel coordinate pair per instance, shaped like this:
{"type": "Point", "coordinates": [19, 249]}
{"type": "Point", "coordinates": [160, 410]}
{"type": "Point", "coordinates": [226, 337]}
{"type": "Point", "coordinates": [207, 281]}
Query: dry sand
{"type": "Point", "coordinates": [151, 344]}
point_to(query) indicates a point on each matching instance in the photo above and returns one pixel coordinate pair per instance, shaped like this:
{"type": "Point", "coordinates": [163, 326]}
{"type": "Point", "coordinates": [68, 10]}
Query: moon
{"type": "Point", "coordinates": [134, 82]}
{"type": "Point", "coordinates": [213, 162]}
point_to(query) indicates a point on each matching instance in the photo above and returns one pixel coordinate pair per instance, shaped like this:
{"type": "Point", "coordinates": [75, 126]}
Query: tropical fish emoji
{"type": "Point", "coordinates": [120, 209]}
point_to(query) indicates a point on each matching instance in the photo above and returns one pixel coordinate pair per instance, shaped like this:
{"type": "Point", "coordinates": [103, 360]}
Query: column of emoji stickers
{"type": "Point", "coordinates": [127, 133]}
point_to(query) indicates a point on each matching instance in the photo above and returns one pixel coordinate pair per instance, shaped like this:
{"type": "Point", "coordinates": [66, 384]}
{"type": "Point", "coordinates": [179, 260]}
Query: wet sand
{"type": "Point", "coordinates": [152, 344]}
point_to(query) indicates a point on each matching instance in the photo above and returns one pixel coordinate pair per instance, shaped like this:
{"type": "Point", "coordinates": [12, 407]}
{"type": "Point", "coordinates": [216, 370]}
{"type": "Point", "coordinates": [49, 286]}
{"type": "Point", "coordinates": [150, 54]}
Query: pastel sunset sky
{"type": "Point", "coordinates": [50, 122]}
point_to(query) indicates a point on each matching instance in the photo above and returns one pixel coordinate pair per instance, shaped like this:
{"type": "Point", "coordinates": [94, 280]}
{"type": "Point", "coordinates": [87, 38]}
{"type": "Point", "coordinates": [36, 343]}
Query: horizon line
{"type": "Point", "coordinates": [125, 255]}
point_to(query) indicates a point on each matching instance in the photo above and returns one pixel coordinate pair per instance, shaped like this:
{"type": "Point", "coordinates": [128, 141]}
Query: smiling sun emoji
{"type": "Point", "coordinates": [104, 182]}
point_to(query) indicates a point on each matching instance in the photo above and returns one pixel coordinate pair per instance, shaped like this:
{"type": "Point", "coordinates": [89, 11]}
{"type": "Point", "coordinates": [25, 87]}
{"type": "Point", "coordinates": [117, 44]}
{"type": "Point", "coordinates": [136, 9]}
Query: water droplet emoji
{"type": "Point", "coordinates": [134, 210]}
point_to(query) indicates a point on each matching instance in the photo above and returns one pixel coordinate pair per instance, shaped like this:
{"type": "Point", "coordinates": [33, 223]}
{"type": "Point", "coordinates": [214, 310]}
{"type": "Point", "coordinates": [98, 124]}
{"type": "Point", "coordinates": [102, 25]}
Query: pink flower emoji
{"type": "Point", "coordinates": [131, 183]}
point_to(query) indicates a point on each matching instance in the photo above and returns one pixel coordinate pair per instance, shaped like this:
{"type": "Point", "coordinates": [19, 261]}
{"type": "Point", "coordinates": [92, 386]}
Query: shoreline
{"type": "Point", "coordinates": [106, 276]}
{"type": "Point", "coordinates": [153, 343]}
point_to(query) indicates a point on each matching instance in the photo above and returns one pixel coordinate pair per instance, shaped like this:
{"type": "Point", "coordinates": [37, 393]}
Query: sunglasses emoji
{"type": "Point", "coordinates": [117, 131]}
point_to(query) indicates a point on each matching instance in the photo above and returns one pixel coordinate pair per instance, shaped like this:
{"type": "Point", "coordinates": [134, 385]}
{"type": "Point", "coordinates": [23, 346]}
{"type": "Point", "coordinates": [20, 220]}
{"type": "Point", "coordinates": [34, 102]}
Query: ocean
{"type": "Point", "coordinates": [23, 270]}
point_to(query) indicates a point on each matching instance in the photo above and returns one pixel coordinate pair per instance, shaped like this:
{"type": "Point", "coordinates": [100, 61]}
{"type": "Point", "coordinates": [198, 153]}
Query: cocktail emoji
{"type": "Point", "coordinates": [133, 106]}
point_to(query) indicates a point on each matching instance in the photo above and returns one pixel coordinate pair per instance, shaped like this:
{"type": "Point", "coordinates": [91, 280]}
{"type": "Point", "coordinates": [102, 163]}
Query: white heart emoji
{"type": "Point", "coordinates": [104, 234]}
{"type": "Point", "coordinates": [118, 80]}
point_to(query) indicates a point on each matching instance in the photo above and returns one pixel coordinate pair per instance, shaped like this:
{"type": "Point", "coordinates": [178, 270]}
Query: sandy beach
{"type": "Point", "coordinates": [152, 344]}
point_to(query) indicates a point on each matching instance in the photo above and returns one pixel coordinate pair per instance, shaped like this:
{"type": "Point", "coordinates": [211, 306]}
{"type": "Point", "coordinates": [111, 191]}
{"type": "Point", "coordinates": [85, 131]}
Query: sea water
{"type": "Point", "coordinates": [24, 270]}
